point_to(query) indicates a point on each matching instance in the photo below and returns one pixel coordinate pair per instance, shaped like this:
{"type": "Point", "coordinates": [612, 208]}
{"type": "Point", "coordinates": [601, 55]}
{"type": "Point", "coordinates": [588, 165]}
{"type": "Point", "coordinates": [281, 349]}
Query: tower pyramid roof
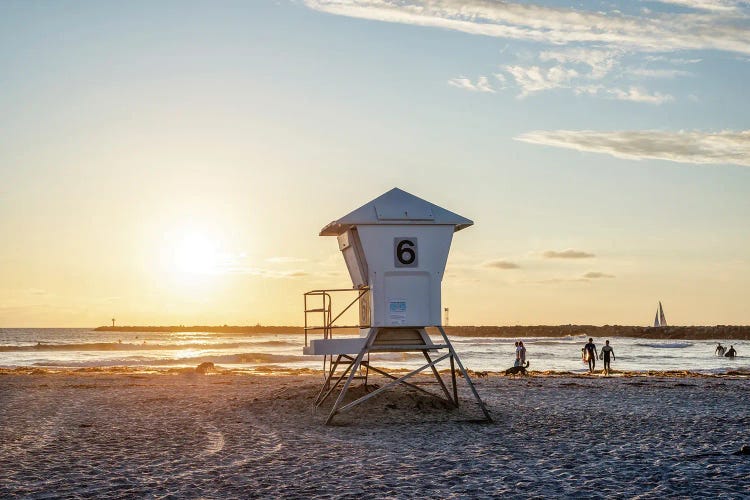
{"type": "Point", "coordinates": [396, 207]}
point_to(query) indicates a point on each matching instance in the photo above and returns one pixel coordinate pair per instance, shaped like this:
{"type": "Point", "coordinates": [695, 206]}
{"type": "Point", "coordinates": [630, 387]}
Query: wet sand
{"type": "Point", "coordinates": [179, 434]}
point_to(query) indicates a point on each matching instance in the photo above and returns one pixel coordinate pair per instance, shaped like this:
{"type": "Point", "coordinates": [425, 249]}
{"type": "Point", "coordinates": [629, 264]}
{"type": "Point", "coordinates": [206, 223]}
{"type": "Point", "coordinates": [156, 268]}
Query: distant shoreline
{"type": "Point", "coordinates": [719, 332]}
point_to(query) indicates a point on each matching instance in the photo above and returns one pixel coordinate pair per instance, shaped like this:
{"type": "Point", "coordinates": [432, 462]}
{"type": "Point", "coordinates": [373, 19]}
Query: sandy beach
{"type": "Point", "coordinates": [185, 435]}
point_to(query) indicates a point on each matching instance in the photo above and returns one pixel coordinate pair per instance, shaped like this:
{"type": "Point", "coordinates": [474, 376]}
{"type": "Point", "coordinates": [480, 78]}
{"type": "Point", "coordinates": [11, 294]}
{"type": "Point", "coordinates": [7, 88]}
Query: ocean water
{"type": "Point", "coordinates": [78, 348]}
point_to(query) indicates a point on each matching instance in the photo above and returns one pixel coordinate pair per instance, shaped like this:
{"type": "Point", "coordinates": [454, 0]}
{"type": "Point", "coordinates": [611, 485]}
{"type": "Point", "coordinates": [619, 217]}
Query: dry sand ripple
{"type": "Point", "coordinates": [221, 436]}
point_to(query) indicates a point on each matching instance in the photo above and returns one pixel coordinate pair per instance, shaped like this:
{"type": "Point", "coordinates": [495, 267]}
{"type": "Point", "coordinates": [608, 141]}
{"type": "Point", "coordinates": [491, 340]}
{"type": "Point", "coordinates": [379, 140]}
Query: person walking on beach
{"type": "Point", "coordinates": [607, 351]}
{"type": "Point", "coordinates": [719, 349]}
{"type": "Point", "coordinates": [515, 362]}
{"type": "Point", "coordinates": [590, 350]}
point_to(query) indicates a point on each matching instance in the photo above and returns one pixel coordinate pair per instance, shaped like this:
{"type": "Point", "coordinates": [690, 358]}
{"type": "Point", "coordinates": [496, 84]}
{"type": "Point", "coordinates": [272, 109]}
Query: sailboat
{"type": "Point", "coordinates": [659, 319]}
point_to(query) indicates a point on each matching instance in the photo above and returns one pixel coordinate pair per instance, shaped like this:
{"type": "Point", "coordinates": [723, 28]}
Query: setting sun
{"type": "Point", "coordinates": [195, 253]}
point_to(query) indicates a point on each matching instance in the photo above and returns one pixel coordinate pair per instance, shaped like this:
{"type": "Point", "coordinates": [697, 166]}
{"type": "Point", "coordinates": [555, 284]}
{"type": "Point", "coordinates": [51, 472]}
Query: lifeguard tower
{"type": "Point", "coordinates": [395, 248]}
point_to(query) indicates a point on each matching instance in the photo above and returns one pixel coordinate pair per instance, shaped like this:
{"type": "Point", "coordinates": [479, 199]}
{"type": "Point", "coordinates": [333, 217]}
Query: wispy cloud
{"type": "Point", "coordinates": [501, 264]}
{"type": "Point", "coordinates": [713, 5]}
{"type": "Point", "coordinates": [482, 85]}
{"type": "Point", "coordinates": [592, 275]}
{"type": "Point", "coordinates": [599, 61]}
{"type": "Point", "coordinates": [286, 260]}
{"type": "Point", "coordinates": [658, 73]}
{"type": "Point", "coordinates": [637, 94]}
{"type": "Point", "coordinates": [567, 254]}
{"type": "Point", "coordinates": [650, 32]}
{"type": "Point", "coordinates": [726, 147]}
{"type": "Point", "coordinates": [534, 78]}
{"type": "Point", "coordinates": [585, 278]}
{"type": "Point", "coordinates": [585, 46]}
{"type": "Point", "coordinates": [671, 60]}
{"type": "Point", "coordinates": [263, 272]}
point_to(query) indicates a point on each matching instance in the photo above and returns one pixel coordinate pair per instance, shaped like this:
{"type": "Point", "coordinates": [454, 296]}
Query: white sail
{"type": "Point", "coordinates": [662, 319]}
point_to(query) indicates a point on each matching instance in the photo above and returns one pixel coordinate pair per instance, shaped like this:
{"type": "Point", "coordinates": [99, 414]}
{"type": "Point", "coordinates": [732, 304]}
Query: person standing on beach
{"type": "Point", "coordinates": [607, 351]}
{"type": "Point", "coordinates": [516, 362]}
{"type": "Point", "coordinates": [520, 354]}
{"type": "Point", "coordinates": [590, 350]}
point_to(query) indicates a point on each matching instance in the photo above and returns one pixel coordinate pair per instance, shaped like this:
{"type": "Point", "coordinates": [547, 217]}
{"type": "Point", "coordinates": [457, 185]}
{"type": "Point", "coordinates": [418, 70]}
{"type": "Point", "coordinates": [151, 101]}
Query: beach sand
{"type": "Point", "coordinates": [185, 435]}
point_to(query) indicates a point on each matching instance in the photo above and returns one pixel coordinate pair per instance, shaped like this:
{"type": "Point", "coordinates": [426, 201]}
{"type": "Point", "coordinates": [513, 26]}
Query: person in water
{"type": "Point", "coordinates": [590, 352]}
{"type": "Point", "coordinates": [719, 349]}
{"type": "Point", "coordinates": [607, 351]}
{"type": "Point", "coordinates": [731, 352]}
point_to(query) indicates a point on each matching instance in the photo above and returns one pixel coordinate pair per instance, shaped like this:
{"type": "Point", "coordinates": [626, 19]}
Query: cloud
{"type": "Point", "coordinates": [671, 60]}
{"type": "Point", "coordinates": [586, 46]}
{"type": "Point", "coordinates": [648, 32]}
{"type": "Point", "coordinates": [534, 78]}
{"type": "Point", "coordinates": [567, 254]}
{"type": "Point", "coordinates": [715, 5]}
{"type": "Point", "coordinates": [286, 260]}
{"type": "Point", "coordinates": [658, 73]}
{"type": "Point", "coordinates": [600, 61]}
{"type": "Point", "coordinates": [482, 85]}
{"type": "Point", "coordinates": [592, 275]}
{"type": "Point", "coordinates": [501, 264]}
{"type": "Point", "coordinates": [262, 272]}
{"type": "Point", "coordinates": [583, 70]}
{"type": "Point", "coordinates": [636, 94]}
{"type": "Point", "coordinates": [295, 274]}
{"type": "Point", "coordinates": [726, 147]}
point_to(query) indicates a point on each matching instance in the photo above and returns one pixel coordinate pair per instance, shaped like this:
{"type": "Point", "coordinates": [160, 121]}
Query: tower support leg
{"type": "Point", "coordinates": [487, 415]}
{"type": "Point", "coordinates": [352, 371]}
{"type": "Point", "coordinates": [440, 379]}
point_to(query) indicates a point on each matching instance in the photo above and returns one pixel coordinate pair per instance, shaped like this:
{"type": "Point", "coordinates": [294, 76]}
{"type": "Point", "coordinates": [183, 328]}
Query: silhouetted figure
{"type": "Point", "coordinates": [590, 350]}
{"type": "Point", "coordinates": [731, 352]}
{"type": "Point", "coordinates": [607, 351]}
{"type": "Point", "coordinates": [719, 349]}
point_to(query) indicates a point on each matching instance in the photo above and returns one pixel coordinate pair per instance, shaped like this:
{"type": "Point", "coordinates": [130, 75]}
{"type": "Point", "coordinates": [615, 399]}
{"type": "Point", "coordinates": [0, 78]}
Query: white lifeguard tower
{"type": "Point", "coordinates": [395, 248]}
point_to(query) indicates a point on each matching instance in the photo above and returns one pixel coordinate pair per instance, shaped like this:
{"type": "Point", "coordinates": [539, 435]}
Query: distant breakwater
{"type": "Point", "coordinates": [207, 329]}
{"type": "Point", "coordinates": [719, 332]}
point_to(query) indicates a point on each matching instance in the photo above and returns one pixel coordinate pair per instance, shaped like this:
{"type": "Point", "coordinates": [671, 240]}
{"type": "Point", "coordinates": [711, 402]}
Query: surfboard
{"type": "Point", "coordinates": [584, 355]}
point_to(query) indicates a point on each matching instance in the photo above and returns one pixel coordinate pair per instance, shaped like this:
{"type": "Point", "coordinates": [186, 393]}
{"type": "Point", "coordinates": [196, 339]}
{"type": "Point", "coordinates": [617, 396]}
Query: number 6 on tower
{"type": "Point", "coordinates": [405, 252]}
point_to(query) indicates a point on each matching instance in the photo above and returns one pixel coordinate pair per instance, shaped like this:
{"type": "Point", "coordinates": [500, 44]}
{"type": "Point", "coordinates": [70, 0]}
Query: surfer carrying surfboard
{"type": "Point", "coordinates": [589, 355]}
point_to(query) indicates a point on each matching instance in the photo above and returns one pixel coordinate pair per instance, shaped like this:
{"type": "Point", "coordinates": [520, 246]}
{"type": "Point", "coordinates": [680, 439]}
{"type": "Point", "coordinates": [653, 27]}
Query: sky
{"type": "Point", "coordinates": [173, 162]}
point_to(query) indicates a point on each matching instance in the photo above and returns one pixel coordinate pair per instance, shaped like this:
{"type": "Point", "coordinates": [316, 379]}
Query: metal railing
{"type": "Point", "coordinates": [326, 310]}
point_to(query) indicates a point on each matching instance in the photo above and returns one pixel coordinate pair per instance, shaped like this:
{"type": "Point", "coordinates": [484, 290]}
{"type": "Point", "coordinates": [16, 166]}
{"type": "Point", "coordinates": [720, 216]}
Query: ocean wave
{"type": "Point", "coordinates": [277, 343]}
{"type": "Point", "coordinates": [124, 346]}
{"type": "Point", "coordinates": [672, 345]}
{"type": "Point", "coordinates": [511, 340]}
{"type": "Point", "coordinates": [253, 358]}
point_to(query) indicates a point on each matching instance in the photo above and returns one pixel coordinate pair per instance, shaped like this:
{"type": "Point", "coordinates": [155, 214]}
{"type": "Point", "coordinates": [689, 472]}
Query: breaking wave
{"type": "Point", "coordinates": [673, 345]}
{"type": "Point", "coordinates": [123, 346]}
{"type": "Point", "coordinates": [252, 358]}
